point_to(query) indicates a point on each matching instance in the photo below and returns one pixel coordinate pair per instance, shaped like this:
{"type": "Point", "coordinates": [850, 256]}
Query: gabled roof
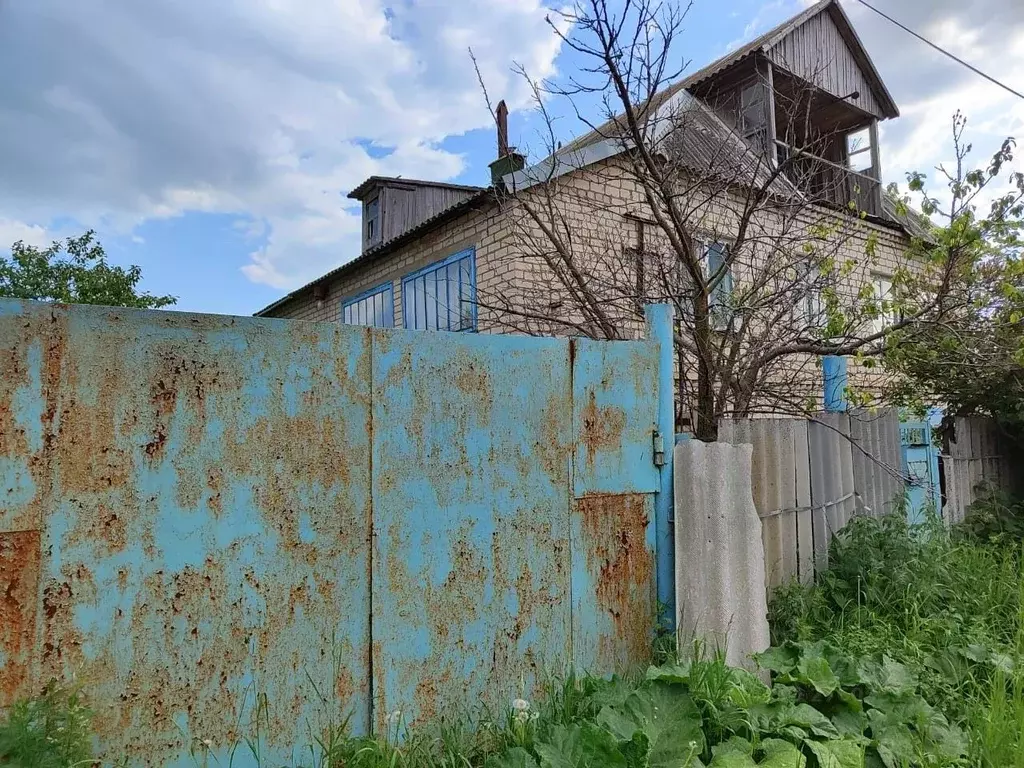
{"type": "Point", "coordinates": [763, 44]}
{"type": "Point", "coordinates": [767, 41]}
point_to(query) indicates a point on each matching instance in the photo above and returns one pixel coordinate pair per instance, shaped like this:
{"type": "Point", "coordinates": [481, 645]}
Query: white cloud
{"type": "Point", "coordinates": [274, 109]}
{"type": "Point", "coordinates": [767, 16]}
{"type": "Point", "coordinates": [271, 109]}
{"type": "Point", "coordinates": [31, 234]}
{"type": "Point", "coordinates": [929, 87]}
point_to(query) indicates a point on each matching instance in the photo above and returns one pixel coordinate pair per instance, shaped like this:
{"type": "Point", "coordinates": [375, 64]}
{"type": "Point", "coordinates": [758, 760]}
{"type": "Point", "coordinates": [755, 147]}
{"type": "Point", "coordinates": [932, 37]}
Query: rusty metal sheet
{"type": "Point", "coordinates": [613, 585]}
{"type": "Point", "coordinates": [205, 519]}
{"type": "Point", "coordinates": [471, 521]}
{"type": "Point", "coordinates": [19, 606]}
{"type": "Point", "coordinates": [30, 364]}
{"type": "Point", "coordinates": [615, 406]}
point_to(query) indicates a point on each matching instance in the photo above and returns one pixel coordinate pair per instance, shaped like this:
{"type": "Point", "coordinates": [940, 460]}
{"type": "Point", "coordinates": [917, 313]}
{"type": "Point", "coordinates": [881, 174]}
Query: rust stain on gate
{"type": "Point", "coordinates": [19, 580]}
{"type": "Point", "coordinates": [620, 567]}
{"type": "Point", "coordinates": [602, 427]}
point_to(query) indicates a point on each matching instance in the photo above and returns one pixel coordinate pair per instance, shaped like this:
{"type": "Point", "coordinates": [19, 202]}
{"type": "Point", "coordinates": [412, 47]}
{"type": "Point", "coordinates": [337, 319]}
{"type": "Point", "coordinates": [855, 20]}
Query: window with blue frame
{"type": "Point", "coordinates": [375, 308]}
{"type": "Point", "coordinates": [716, 256]}
{"type": "Point", "coordinates": [442, 297]}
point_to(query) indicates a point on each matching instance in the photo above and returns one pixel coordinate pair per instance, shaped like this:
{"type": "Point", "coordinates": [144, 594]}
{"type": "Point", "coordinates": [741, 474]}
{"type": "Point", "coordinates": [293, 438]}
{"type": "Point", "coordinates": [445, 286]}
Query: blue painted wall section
{"type": "Point", "coordinates": [834, 379]}
{"type": "Point", "coordinates": [201, 513]}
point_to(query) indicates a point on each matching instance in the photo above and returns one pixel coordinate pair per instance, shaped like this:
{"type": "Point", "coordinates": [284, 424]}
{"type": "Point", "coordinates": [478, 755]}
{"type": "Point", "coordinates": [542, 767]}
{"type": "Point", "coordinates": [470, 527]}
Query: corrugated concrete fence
{"type": "Point", "coordinates": [810, 476]}
{"type": "Point", "coordinates": [199, 510]}
{"type": "Point", "coordinates": [975, 455]}
{"type": "Point", "coordinates": [759, 508]}
{"type": "Point", "coordinates": [720, 559]}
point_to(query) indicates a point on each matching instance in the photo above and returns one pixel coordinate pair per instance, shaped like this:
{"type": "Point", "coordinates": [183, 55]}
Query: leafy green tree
{"type": "Point", "coordinates": [75, 271]}
{"type": "Point", "coordinates": [971, 359]}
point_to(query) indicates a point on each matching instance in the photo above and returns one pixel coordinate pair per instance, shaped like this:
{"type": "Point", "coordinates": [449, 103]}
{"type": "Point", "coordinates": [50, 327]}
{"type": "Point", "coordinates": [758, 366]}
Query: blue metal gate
{"type": "Point", "coordinates": [194, 509]}
{"type": "Point", "coordinates": [921, 470]}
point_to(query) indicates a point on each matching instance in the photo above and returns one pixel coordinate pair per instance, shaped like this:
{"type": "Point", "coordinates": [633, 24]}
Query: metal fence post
{"type": "Point", "coordinates": [659, 329]}
{"type": "Point", "coordinates": [834, 378]}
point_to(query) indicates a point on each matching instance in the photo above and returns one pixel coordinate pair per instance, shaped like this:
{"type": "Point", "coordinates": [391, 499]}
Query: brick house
{"type": "Point", "coordinates": [450, 257]}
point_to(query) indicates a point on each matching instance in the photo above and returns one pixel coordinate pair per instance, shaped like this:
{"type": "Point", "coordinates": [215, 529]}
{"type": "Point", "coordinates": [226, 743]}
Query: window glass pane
{"type": "Point", "coordinates": [420, 296]}
{"type": "Point", "coordinates": [467, 295]}
{"type": "Point", "coordinates": [858, 150]}
{"type": "Point", "coordinates": [442, 297]}
{"type": "Point", "coordinates": [715, 255]}
{"type": "Point", "coordinates": [378, 311]}
{"type": "Point", "coordinates": [452, 280]}
{"type": "Point", "coordinates": [374, 310]}
{"type": "Point", "coordinates": [430, 301]}
{"type": "Point", "coordinates": [883, 293]}
{"type": "Point", "coordinates": [858, 141]}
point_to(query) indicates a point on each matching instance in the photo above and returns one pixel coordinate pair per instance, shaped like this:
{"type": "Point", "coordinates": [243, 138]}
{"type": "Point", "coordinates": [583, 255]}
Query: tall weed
{"type": "Point", "coordinates": [946, 603]}
{"type": "Point", "coordinates": [49, 731]}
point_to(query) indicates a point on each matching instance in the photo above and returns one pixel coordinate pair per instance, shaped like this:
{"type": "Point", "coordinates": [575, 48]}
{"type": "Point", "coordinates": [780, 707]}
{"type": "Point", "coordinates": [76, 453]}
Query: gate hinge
{"type": "Point", "coordinates": [659, 449]}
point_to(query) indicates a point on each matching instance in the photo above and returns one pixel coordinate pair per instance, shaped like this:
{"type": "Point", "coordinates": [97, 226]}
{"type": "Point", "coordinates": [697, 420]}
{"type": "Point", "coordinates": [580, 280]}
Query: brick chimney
{"type": "Point", "coordinates": [509, 161]}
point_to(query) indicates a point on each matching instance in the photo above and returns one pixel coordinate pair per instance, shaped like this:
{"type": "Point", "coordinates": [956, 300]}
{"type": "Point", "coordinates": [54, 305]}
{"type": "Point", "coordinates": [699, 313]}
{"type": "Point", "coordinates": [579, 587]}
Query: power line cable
{"type": "Point", "coordinates": [941, 50]}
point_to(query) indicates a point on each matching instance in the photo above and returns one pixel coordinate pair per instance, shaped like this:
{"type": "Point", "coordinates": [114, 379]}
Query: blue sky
{"type": "Point", "coordinates": [213, 144]}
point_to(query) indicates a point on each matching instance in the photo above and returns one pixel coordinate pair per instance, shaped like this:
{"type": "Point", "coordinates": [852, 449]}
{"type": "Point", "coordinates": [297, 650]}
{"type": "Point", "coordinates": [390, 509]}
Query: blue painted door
{"type": "Point", "coordinates": [921, 470]}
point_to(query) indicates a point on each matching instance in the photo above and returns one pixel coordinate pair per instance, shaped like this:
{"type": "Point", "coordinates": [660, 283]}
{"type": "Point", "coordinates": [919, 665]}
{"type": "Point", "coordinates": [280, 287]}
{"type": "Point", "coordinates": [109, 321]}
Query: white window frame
{"type": "Point", "coordinates": [721, 314]}
{"type": "Point", "coordinates": [812, 305]}
{"type": "Point", "coordinates": [881, 287]}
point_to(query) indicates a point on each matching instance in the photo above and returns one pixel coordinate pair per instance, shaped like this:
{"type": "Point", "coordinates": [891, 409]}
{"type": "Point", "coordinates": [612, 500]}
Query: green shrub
{"type": "Point", "coordinates": [996, 516]}
{"type": "Point", "coordinates": [50, 731]}
{"type": "Point", "coordinates": [944, 604]}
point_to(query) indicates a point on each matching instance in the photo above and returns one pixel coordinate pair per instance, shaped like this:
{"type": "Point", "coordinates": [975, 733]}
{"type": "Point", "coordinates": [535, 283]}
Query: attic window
{"type": "Point", "coordinates": [858, 150]}
{"type": "Point", "coordinates": [753, 117]}
{"type": "Point", "coordinates": [372, 218]}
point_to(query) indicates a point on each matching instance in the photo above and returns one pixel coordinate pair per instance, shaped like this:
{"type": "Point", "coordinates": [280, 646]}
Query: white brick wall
{"type": "Point", "coordinates": [594, 204]}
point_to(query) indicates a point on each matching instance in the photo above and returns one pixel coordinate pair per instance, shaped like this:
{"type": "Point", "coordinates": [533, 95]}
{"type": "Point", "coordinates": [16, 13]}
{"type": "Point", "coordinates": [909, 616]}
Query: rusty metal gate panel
{"type": "Point", "coordinates": [471, 453]}
{"type": "Point", "coordinates": [615, 405]}
{"type": "Point", "coordinates": [614, 474]}
{"type": "Point", "coordinates": [200, 486]}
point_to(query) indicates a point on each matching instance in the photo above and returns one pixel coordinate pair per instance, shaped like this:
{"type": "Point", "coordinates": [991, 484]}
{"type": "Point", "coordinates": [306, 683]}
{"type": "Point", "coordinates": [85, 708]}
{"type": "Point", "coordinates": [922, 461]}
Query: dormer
{"type": "Point", "coordinates": [393, 206]}
{"type": "Point", "coordinates": [807, 94]}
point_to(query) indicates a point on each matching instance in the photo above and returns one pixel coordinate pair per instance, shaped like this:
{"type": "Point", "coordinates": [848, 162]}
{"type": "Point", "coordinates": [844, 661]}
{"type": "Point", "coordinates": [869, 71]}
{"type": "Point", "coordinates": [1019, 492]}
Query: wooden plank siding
{"type": "Point", "coordinates": [406, 206]}
{"type": "Point", "coordinates": [816, 51]}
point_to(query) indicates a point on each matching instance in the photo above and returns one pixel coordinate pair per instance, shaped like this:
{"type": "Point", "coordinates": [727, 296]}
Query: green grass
{"type": "Point", "coordinates": [947, 604]}
{"type": "Point", "coordinates": [50, 731]}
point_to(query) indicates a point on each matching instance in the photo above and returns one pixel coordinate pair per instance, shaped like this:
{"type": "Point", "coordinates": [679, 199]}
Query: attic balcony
{"type": "Point", "coordinates": [829, 183]}
{"type": "Point", "coordinates": [827, 147]}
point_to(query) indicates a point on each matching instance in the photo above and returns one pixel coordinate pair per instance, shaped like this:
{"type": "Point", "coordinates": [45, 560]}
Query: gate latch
{"type": "Point", "coordinates": [659, 449]}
